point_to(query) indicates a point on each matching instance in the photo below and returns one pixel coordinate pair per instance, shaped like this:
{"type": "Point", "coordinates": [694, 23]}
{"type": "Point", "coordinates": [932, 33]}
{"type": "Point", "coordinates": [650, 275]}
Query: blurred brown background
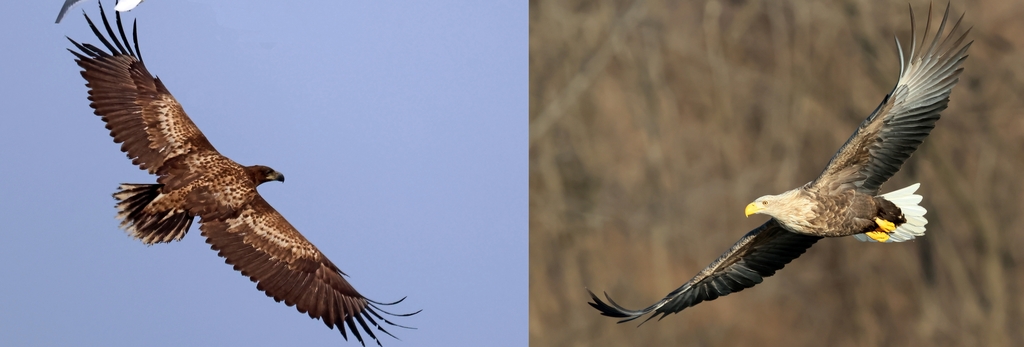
{"type": "Point", "coordinates": [653, 123]}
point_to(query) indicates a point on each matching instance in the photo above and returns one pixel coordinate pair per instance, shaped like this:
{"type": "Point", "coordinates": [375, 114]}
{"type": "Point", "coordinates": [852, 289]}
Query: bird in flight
{"type": "Point", "coordinates": [122, 6]}
{"type": "Point", "coordinates": [844, 199]}
{"type": "Point", "coordinates": [195, 180]}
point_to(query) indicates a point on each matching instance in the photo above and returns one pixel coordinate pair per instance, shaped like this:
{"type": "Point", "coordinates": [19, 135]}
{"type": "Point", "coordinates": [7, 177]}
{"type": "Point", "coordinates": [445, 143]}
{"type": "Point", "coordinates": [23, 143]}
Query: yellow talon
{"type": "Point", "coordinates": [885, 225]}
{"type": "Point", "coordinates": [878, 235]}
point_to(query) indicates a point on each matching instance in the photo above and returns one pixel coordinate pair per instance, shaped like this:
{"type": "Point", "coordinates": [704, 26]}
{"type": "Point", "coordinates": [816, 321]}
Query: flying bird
{"type": "Point", "coordinates": [122, 6]}
{"type": "Point", "coordinates": [844, 199]}
{"type": "Point", "coordinates": [195, 180]}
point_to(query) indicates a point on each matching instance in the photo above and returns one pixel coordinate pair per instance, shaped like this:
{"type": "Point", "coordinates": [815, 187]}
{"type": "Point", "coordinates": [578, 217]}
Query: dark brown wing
{"type": "Point", "coordinates": [905, 117]}
{"type": "Point", "coordinates": [261, 244]}
{"type": "Point", "coordinates": [139, 111]}
{"type": "Point", "coordinates": [757, 255]}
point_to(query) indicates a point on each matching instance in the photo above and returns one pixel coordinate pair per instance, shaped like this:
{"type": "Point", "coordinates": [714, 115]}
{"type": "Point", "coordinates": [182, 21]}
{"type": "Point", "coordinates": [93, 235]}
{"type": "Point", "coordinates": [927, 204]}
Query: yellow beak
{"type": "Point", "coordinates": [752, 208]}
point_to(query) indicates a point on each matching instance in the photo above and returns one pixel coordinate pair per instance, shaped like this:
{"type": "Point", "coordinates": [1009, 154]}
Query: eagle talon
{"type": "Point", "coordinates": [878, 236]}
{"type": "Point", "coordinates": [884, 225]}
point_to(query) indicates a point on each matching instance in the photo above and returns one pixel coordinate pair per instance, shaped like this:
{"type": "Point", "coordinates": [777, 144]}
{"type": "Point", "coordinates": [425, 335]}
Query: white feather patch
{"type": "Point", "coordinates": [127, 5]}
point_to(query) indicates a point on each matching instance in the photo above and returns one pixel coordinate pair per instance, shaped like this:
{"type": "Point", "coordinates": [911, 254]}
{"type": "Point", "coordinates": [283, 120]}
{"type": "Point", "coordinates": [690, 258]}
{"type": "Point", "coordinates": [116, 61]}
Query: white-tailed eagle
{"type": "Point", "coordinates": [844, 199]}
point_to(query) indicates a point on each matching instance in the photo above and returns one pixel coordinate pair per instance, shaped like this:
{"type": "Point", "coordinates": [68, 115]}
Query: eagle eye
{"type": "Point", "coordinates": [765, 203]}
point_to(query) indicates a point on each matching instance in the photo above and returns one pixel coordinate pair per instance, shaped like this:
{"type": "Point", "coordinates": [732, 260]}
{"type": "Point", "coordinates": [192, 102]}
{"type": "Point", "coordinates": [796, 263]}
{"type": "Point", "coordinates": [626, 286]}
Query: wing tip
{"type": "Point", "coordinates": [114, 46]}
{"type": "Point", "coordinates": [613, 309]}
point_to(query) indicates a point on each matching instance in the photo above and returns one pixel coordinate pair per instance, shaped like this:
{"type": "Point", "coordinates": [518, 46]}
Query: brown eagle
{"type": "Point", "coordinates": [843, 200]}
{"type": "Point", "coordinates": [194, 180]}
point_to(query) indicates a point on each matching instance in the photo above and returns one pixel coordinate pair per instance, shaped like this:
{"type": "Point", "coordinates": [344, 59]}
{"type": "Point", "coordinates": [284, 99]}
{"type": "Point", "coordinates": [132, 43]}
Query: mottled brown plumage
{"type": "Point", "coordinates": [194, 180]}
{"type": "Point", "coordinates": [843, 200]}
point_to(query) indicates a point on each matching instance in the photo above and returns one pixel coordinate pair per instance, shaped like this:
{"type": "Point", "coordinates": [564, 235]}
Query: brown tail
{"type": "Point", "coordinates": [149, 226]}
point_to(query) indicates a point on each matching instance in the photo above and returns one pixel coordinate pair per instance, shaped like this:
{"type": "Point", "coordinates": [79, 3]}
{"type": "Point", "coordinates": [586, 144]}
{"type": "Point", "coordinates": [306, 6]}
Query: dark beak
{"type": "Point", "coordinates": [276, 176]}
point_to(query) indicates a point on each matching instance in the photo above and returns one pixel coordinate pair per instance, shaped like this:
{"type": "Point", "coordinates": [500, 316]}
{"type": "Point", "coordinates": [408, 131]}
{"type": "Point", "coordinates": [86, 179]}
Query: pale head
{"type": "Point", "coordinates": [771, 205]}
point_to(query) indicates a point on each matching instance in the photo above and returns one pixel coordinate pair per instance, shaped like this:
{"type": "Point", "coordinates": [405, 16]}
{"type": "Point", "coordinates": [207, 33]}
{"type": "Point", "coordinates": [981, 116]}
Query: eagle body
{"type": "Point", "coordinates": [843, 200]}
{"type": "Point", "coordinates": [847, 212]}
{"type": "Point", "coordinates": [195, 180]}
{"type": "Point", "coordinates": [220, 190]}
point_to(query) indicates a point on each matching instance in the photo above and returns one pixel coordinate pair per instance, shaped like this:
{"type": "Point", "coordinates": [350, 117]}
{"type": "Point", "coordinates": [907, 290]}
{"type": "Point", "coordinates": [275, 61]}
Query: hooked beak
{"type": "Point", "coordinates": [752, 208]}
{"type": "Point", "coordinates": [276, 176]}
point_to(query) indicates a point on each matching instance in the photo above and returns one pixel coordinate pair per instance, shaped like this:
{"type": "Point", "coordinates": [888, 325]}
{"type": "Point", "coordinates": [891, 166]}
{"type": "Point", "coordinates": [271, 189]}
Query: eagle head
{"type": "Point", "coordinates": [759, 205]}
{"type": "Point", "coordinates": [777, 206]}
{"type": "Point", "coordinates": [261, 174]}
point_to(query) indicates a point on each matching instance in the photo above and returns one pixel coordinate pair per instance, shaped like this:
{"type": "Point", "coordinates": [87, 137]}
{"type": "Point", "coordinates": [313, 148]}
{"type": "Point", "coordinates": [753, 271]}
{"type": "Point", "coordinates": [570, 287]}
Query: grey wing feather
{"type": "Point", "coordinates": [64, 9]}
{"type": "Point", "coordinates": [757, 255]}
{"type": "Point", "coordinates": [885, 140]}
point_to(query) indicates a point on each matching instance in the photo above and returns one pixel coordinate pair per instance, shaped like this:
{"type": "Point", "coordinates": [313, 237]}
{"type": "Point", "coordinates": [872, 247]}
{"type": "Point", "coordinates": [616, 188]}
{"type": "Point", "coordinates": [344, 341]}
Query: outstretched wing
{"type": "Point", "coordinates": [905, 117]}
{"type": "Point", "coordinates": [261, 244]}
{"type": "Point", "coordinates": [140, 113]}
{"type": "Point", "coordinates": [757, 255]}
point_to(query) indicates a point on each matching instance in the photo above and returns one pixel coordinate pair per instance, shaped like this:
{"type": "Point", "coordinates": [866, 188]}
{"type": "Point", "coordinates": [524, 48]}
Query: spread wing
{"type": "Point", "coordinates": [140, 113]}
{"type": "Point", "coordinates": [261, 244]}
{"type": "Point", "coordinates": [757, 255]}
{"type": "Point", "coordinates": [905, 117]}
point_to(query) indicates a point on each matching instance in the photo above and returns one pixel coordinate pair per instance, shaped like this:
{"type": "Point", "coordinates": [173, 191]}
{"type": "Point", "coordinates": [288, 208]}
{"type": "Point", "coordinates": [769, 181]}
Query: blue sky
{"type": "Point", "coordinates": [401, 127]}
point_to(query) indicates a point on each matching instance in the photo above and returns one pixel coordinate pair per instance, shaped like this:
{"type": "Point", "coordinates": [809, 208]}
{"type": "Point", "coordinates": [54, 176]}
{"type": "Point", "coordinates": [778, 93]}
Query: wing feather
{"type": "Point", "coordinates": [64, 9]}
{"type": "Point", "coordinates": [757, 255]}
{"type": "Point", "coordinates": [261, 244]}
{"type": "Point", "coordinates": [887, 138]}
{"type": "Point", "coordinates": [137, 108]}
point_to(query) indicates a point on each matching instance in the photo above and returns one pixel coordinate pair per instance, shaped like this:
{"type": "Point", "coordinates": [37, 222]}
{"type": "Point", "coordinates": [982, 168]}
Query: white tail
{"type": "Point", "coordinates": [908, 202]}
